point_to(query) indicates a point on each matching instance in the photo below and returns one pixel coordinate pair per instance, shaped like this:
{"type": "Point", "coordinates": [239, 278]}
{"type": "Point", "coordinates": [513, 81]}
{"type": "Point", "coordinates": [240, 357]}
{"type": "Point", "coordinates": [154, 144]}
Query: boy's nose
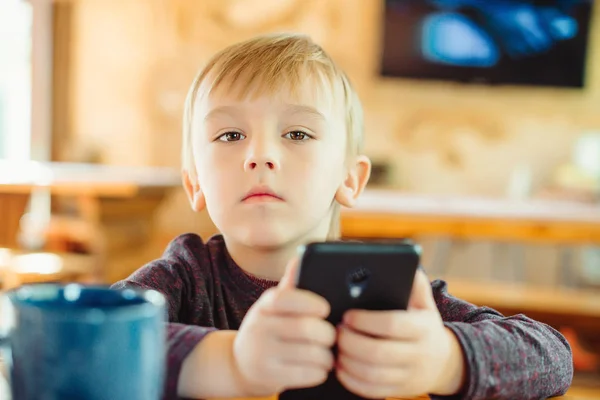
{"type": "Point", "coordinates": [256, 163]}
{"type": "Point", "coordinates": [262, 152]}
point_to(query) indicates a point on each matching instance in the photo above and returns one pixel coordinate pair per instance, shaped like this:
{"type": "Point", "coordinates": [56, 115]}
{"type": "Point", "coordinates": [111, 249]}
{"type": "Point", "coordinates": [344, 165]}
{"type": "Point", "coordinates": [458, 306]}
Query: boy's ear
{"type": "Point", "coordinates": [356, 179]}
{"type": "Point", "coordinates": [192, 189]}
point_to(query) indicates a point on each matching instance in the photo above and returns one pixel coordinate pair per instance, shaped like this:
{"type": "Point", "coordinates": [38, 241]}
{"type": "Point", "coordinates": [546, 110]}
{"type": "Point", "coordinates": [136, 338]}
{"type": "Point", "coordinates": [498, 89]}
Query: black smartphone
{"type": "Point", "coordinates": [351, 275]}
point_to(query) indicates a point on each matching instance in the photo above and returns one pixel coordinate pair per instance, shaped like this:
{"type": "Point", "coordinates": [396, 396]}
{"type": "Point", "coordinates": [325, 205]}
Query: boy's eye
{"type": "Point", "coordinates": [231, 137]}
{"type": "Point", "coordinates": [297, 135]}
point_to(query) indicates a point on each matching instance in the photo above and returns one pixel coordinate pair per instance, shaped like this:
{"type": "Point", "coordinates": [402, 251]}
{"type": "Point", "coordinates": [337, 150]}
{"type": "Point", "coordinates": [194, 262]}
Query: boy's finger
{"type": "Point", "coordinates": [372, 350]}
{"type": "Point", "coordinates": [305, 354]}
{"type": "Point", "coordinates": [400, 325]}
{"type": "Point", "coordinates": [295, 302]}
{"type": "Point", "coordinates": [307, 330]}
{"type": "Point", "coordinates": [301, 376]}
{"type": "Point", "coordinates": [376, 374]}
{"type": "Point", "coordinates": [365, 389]}
{"type": "Point", "coordinates": [421, 296]}
{"type": "Point", "coordinates": [288, 281]}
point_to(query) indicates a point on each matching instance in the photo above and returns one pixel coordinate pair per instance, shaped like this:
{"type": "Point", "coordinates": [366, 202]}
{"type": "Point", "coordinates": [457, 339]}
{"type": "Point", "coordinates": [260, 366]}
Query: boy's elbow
{"type": "Point", "coordinates": [561, 366]}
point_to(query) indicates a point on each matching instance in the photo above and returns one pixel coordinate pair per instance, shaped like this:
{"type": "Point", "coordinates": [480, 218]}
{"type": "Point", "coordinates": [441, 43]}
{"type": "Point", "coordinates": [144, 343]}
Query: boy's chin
{"type": "Point", "coordinates": [265, 236]}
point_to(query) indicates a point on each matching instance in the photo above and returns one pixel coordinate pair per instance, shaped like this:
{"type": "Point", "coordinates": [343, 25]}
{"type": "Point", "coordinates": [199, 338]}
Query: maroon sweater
{"type": "Point", "coordinates": [507, 358]}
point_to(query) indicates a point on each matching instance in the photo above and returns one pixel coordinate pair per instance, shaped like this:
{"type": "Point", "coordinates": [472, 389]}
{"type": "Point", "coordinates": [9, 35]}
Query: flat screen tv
{"type": "Point", "coordinates": [513, 42]}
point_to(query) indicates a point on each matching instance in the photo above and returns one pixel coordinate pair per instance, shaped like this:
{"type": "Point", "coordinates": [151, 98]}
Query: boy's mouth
{"type": "Point", "coordinates": [261, 194]}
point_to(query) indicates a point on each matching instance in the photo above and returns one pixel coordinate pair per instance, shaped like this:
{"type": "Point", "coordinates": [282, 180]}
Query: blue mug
{"type": "Point", "coordinates": [83, 342]}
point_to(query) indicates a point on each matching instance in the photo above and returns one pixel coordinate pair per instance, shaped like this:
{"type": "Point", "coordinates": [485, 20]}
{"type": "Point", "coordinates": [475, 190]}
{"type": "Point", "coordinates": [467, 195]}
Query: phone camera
{"type": "Point", "coordinates": [357, 281]}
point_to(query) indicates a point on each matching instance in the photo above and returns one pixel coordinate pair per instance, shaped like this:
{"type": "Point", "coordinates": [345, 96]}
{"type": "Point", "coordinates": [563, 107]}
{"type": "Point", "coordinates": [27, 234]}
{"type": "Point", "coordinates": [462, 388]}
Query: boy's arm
{"type": "Point", "coordinates": [200, 363]}
{"type": "Point", "coordinates": [506, 357]}
{"type": "Point", "coordinates": [209, 371]}
{"type": "Point", "coordinates": [179, 276]}
{"type": "Point", "coordinates": [182, 340]}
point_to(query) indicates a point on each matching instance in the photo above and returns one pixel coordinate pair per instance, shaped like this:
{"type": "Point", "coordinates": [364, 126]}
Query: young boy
{"type": "Point", "coordinates": [272, 148]}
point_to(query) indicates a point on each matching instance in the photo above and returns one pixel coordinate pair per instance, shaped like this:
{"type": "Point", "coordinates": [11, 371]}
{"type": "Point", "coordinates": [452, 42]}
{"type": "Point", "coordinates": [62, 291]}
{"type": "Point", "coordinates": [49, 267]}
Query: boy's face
{"type": "Point", "coordinates": [269, 167]}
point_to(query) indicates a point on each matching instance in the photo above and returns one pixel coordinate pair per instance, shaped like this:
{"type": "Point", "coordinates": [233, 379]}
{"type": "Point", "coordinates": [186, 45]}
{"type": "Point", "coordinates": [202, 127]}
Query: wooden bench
{"type": "Point", "coordinates": [557, 306]}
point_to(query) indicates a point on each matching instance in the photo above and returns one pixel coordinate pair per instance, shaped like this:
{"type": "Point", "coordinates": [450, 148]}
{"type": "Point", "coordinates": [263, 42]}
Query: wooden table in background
{"type": "Point", "coordinates": [5, 394]}
{"type": "Point", "coordinates": [424, 397]}
{"type": "Point", "coordinates": [116, 205]}
{"type": "Point", "coordinates": [393, 214]}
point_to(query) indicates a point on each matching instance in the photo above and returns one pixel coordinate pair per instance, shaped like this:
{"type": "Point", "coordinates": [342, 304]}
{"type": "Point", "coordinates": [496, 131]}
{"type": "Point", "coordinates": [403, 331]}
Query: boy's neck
{"type": "Point", "coordinates": [265, 263]}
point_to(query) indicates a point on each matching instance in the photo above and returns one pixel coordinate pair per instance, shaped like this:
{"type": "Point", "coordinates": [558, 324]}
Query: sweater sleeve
{"type": "Point", "coordinates": [176, 277]}
{"type": "Point", "coordinates": [506, 357]}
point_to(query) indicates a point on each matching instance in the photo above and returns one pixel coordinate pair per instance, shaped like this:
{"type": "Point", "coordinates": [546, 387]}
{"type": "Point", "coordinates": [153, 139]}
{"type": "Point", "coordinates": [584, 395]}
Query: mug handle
{"type": "Point", "coordinates": [6, 311]}
{"type": "Point", "coordinates": [4, 362]}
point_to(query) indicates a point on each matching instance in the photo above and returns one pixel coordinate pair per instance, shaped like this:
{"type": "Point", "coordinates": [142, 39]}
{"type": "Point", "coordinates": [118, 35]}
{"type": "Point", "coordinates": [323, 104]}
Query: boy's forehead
{"type": "Point", "coordinates": [307, 95]}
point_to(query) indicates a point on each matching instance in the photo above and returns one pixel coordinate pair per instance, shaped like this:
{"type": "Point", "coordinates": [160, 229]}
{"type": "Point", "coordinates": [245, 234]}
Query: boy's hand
{"type": "Point", "coordinates": [400, 353]}
{"type": "Point", "coordinates": [284, 341]}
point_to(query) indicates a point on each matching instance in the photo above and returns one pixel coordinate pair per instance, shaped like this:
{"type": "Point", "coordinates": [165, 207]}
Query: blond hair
{"type": "Point", "coordinates": [264, 64]}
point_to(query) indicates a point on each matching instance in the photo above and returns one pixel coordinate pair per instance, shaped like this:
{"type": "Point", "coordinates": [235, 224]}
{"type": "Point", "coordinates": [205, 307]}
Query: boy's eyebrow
{"type": "Point", "coordinates": [304, 109]}
{"type": "Point", "coordinates": [222, 110]}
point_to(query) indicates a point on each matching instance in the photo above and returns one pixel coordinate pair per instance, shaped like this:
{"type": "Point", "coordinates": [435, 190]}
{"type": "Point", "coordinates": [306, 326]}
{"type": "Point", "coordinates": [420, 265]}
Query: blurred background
{"type": "Point", "coordinates": [482, 120]}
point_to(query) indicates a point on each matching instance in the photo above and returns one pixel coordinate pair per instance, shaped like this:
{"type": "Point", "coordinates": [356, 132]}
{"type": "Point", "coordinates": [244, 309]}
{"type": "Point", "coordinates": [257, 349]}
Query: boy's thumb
{"type": "Point", "coordinates": [421, 296]}
{"type": "Point", "coordinates": [289, 277]}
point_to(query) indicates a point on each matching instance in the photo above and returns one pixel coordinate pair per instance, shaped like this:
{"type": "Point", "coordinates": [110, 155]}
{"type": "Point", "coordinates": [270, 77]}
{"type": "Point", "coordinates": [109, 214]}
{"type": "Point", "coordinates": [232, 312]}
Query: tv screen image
{"type": "Point", "coordinates": [517, 42]}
